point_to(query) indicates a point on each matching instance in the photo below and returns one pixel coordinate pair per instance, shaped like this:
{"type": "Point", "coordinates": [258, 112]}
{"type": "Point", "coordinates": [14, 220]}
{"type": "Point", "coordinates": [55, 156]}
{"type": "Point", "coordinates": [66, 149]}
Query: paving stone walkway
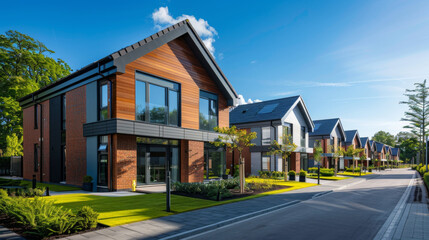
{"type": "Point", "coordinates": [7, 234]}
{"type": "Point", "coordinates": [177, 226]}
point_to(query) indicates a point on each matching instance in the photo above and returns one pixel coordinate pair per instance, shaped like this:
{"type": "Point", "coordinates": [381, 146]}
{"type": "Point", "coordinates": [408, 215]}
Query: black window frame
{"type": "Point", "coordinates": [302, 137]}
{"type": "Point", "coordinates": [100, 101]}
{"type": "Point", "coordinates": [210, 97]}
{"type": "Point", "coordinates": [150, 79]}
{"type": "Point", "coordinates": [102, 140]}
{"type": "Point", "coordinates": [265, 154]}
{"type": "Point", "coordinates": [264, 138]}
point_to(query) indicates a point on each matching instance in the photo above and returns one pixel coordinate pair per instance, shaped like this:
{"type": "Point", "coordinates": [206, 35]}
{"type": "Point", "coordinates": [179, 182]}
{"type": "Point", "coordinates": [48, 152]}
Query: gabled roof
{"type": "Point", "coordinates": [270, 110]}
{"type": "Point", "coordinates": [372, 144]}
{"type": "Point", "coordinates": [380, 146]}
{"type": "Point", "coordinates": [350, 135]}
{"type": "Point", "coordinates": [395, 151]}
{"type": "Point", "coordinates": [387, 148]}
{"type": "Point", "coordinates": [325, 127]}
{"type": "Point", "coordinates": [364, 141]}
{"type": "Point", "coordinates": [117, 61]}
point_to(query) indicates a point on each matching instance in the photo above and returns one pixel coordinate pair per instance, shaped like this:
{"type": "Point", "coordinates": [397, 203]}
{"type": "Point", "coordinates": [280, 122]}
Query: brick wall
{"type": "Point", "coordinates": [75, 141]}
{"type": "Point", "coordinates": [192, 161]}
{"type": "Point", "coordinates": [295, 161]}
{"type": "Point", "coordinates": [124, 161]}
{"type": "Point", "coordinates": [31, 137]}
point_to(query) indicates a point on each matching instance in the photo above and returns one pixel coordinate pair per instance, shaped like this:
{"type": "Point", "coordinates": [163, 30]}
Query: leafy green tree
{"type": "Point", "coordinates": [384, 137]}
{"type": "Point", "coordinates": [338, 153]}
{"type": "Point", "coordinates": [14, 146]}
{"type": "Point", "coordinates": [362, 158]}
{"type": "Point", "coordinates": [235, 139]}
{"type": "Point", "coordinates": [24, 68]}
{"type": "Point", "coordinates": [417, 113]}
{"type": "Point", "coordinates": [284, 149]}
{"type": "Point", "coordinates": [353, 152]}
{"type": "Point", "coordinates": [409, 148]}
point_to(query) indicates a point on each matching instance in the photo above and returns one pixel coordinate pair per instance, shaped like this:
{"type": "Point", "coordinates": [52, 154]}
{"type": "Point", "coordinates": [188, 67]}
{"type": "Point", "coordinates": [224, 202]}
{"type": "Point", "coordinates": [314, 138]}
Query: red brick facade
{"type": "Point", "coordinates": [124, 161]}
{"type": "Point", "coordinates": [32, 137]}
{"type": "Point", "coordinates": [295, 161]}
{"type": "Point", "coordinates": [75, 141]}
{"type": "Point", "coordinates": [192, 165]}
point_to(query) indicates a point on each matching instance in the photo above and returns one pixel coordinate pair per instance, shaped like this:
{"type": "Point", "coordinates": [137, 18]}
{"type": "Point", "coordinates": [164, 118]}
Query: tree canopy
{"type": "Point", "coordinates": [25, 66]}
{"type": "Point", "coordinates": [384, 137]}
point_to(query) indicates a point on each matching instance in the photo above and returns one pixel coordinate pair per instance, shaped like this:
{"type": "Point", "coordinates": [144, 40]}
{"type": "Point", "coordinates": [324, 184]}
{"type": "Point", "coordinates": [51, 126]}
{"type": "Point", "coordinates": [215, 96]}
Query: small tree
{"type": "Point", "coordinates": [362, 158]}
{"type": "Point", "coordinates": [353, 152]}
{"type": "Point", "coordinates": [338, 153]}
{"type": "Point", "coordinates": [235, 139]}
{"type": "Point", "coordinates": [285, 149]}
{"type": "Point", "coordinates": [317, 155]}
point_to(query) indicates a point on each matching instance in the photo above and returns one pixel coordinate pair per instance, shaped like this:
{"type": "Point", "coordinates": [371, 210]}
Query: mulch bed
{"type": "Point", "coordinates": [12, 225]}
{"type": "Point", "coordinates": [235, 193]}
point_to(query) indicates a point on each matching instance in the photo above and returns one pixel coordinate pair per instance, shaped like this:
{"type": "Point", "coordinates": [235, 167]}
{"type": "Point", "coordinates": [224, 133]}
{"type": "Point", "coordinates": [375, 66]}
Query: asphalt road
{"type": "Point", "coordinates": [356, 212]}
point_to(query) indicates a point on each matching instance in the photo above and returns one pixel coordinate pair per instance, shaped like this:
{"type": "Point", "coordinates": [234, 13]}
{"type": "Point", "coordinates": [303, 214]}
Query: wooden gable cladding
{"type": "Point", "coordinates": [174, 61]}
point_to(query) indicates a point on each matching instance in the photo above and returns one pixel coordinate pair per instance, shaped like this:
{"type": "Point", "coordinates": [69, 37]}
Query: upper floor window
{"type": "Point", "coordinates": [302, 136]}
{"type": "Point", "coordinates": [266, 136]}
{"type": "Point", "coordinates": [157, 100]}
{"type": "Point", "coordinates": [36, 118]}
{"type": "Point", "coordinates": [287, 130]}
{"type": "Point", "coordinates": [208, 111]}
{"type": "Point", "coordinates": [104, 101]}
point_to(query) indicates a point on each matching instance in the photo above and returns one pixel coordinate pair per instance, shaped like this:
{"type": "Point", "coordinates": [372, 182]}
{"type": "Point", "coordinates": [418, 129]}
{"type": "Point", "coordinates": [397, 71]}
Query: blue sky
{"type": "Point", "coordinates": [348, 59]}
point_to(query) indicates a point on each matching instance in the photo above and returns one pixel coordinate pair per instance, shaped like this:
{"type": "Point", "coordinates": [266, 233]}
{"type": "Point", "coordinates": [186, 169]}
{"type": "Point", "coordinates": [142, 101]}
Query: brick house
{"type": "Point", "coordinates": [352, 140]}
{"type": "Point", "coordinates": [270, 119]}
{"type": "Point", "coordinates": [330, 133]}
{"type": "Point", "coordinates": [367, 150]}
{"type": "Point", "coordinates": [380, 153]}
{"type": "Point", "coordinates": [395, 155]}
{"type": "Point", "coordinates": [145, 109]}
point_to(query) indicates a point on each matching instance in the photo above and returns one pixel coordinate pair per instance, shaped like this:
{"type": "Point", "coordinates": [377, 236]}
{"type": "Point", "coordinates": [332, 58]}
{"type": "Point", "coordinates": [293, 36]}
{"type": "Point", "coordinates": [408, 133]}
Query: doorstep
{"type": "Point", "coordinates": [152, 188]}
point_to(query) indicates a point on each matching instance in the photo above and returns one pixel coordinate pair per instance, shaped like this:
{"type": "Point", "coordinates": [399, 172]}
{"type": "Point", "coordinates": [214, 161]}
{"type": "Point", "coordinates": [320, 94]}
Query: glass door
{"type": "Point", "coordinates": [142, 166]}
{"type": "Point", "coordinates": [102, 170]}
{"type": "Point", "coordinates": [157, 164]}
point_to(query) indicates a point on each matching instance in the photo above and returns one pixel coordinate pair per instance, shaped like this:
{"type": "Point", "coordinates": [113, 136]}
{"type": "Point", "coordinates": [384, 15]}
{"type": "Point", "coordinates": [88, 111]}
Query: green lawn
{"type": "Point", "coordinates": [356, 174]}
{"type": "Point", "coordinates": [333, 178]}
{"type": "Point", "coordinates": [122, 210]}
{"type": "Point", "coordinates": [23, 183]}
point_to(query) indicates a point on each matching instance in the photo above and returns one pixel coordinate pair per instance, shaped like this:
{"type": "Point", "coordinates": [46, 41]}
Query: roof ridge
{"type": "Point", "coordinates": [277, 99]}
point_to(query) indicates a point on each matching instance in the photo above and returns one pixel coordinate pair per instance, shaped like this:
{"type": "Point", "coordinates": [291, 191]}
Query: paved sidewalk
{"type": "Point", "coordinates": [7, 234]}
{"type": "Point", "coordinates": [184, 224]}
{"type": "Point", "coordinates": [414, 223]}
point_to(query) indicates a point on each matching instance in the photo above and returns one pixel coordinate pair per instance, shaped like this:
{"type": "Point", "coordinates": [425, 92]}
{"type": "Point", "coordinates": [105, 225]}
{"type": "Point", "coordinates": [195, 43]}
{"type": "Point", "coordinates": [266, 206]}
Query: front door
{"type": "Point", "coordinates": [102, 170]}
{"type": "Point", "coordinates": [157, 164]}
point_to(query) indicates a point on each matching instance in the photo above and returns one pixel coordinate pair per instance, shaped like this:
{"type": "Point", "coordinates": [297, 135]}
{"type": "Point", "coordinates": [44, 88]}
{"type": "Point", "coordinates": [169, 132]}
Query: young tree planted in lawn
{"type": "Point", "coordinates": [235, 139]}
{"type": "Point", "coordinates": [353, 152]}
{"type": "Point", "coordinates": [285, 148]}
{"type": "Point", "coordinates": [362, 158]}
{"type": "Point", "coordinates": [338, 153]}
{"type": "Point", "coordinates": [317, 155]}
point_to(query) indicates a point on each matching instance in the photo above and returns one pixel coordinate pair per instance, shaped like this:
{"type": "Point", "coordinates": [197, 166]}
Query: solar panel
{"type": "Point", "coordinates": [268, 108]}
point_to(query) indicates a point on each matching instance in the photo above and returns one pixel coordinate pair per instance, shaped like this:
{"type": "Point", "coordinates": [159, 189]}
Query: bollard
{"type": "Point", "coordinates": [47, 191]}
{"type": "Point", "coordinates": [134, 185]}
{"type": "Point", "coordinates": [34, 181]}
{"type": "Point", "coordinates": [168, 195]}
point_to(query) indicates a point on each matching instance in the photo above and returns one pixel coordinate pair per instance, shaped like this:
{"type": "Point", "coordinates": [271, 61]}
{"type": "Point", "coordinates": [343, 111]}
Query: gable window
{"type": "Point", "coordinates": [157, 100]}
{"type": "Point", "coordinates": [208, 111]}
{"type": "Point", "coordinates": [266, 136]}
{"type": "Point", "coordinates": [104, 101]}
{"type": "Point", "coordinates": [303, 137]}
{"type": "Point", "coordinates": [36, 119]}
{"type": "Point", "coordinates": [266, 162]}
{"type": "Point", "coordinates": [287, 129]}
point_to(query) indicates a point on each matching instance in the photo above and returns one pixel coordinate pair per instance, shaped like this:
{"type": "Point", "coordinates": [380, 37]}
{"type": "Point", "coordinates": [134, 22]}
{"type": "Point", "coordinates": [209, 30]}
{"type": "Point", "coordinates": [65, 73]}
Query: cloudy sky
{"type": "Point", "coordinates": [348, 59]}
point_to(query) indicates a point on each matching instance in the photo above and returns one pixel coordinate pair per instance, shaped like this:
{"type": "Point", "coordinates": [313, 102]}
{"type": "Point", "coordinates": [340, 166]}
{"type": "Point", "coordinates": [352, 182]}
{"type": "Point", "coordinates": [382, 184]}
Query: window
{"type": "Point", "coordinates": [268, 108]}
{"type": "Point", "coordinates": [36, 119]}
{"type": "Point", "coordinates": [104, 101]}
{"type": "Point", "coordinates": [36, 158]}
{"type": "Point", "coordinates": [303, 137]}
{"type": "Point", "coordinates": [157, 100]}
{"type": "Point", "coordinates": [208, 111]}
{"type": "Point", "coordinates": [266, 162]}
{"type": "Point", "coordinates": [266, 136]}
{"type": "Point", "coordinates": [102, 167]}
{"type": "Point", "coordinates": [287, 129]}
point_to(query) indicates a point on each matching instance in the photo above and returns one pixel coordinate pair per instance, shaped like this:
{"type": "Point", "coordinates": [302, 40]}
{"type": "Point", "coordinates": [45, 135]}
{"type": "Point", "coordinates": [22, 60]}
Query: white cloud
{"type": "Point", "coordinates": [162, 18]}
{"type": "Point", "coordinates": [242, 101]}
{"type": "Point", "coordinates": [220, 55]}
{"type": "Point", "coordinates": [253, 62]}
{"type": "Point", "coordinates": [284, 93]}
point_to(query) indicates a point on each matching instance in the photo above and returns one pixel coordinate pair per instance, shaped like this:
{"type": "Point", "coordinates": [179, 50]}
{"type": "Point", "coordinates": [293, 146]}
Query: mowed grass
{"type": "Point", "coordinates": [27, 183]}
{"type": "Point", "coordinates": [116, 211]}
{"type": "Point", "coordinates": [356, 174]}
{"type": "Point", "coordinates": [332, 178]}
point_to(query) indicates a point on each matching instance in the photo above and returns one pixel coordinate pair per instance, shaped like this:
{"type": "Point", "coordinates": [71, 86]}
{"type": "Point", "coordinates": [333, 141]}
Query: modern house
{"type": "Point", "coordinates": [388, 150]}
{"type": "Point", "coordinates": [131, 116]}
{"type": "Point", "coordinates": [395, 154]}
{"type": "Point", "coordinates": [352, 140]}
{"type": "Point", "coordinates": [330, 133]}
{"type": "Point", "coordinates": [270, 120]}
{"type": "Point", "coordinates": [380, 153]}
{"type": "Point", "coordinates": [366, 145]}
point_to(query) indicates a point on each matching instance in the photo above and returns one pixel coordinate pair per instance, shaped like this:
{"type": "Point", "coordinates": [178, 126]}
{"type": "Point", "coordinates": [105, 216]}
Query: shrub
{"type": "Point", "coordinates": [312, 170]}
{"type": "Point", "coordinates": [291, 173]}
{"type": "Point", "coordinates": [236, 171]}
{"type": "Point", "coordinates": [422, 170]}
{"type": "Point", "coordinates": [302, 173]}
{"type": "Point", "coordinates": [351, 169]}
{"type": "Point", "coordinates": [227, 171]}
{"type": "Point", "coordinates": [426, 179]}
{"type": "Point", "coordinates": [87, 179]}
{"type": "Point", "coordinates": [261, 185]}
{"type": "Point", "coordinates": [42, 218]}
{"type": "Point", "coordinates": [214, 190]}
{"type": "Point", "coordinates": [327, 172]}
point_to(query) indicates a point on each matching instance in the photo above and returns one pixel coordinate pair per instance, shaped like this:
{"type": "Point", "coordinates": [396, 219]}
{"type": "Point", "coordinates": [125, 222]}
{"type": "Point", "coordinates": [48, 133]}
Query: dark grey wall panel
{"type": "Point", "coordinates": [55, 139]}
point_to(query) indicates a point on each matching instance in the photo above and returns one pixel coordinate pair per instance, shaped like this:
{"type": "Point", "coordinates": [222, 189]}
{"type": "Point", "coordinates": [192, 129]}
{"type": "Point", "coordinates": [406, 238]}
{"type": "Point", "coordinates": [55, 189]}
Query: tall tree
{"type": "Point", "coordinates": [24, 68]}
{"type": "Point", "coordinates": [409, 148]}
{"type": "Point", "coordinates": [418, 112]}
{"type": "Point", "coordinates": [284, 149]}
{"type": "Point", "coordinates": [384, 137]}
{"type": "Point", "coordinates": [235, 139]}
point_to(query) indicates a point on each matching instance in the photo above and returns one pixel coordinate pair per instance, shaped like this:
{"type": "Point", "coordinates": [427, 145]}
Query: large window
{"type": "Point", "coordinates": [102, 166]}
{"type": "Point", "coordinates": [104, 101]}
{"type": "Point", "coordinates": [266, 162]}
{"type": "Point", "coordinates": [208, 111]}
{"type": "Point", "coordinates": [157, 100]}
{"type": "Point", "coordinates": [303, 137]}
{"type": "Point", "coordinates": [266, 136]}
{"type": "Point", "coordinates": [287, 129]}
